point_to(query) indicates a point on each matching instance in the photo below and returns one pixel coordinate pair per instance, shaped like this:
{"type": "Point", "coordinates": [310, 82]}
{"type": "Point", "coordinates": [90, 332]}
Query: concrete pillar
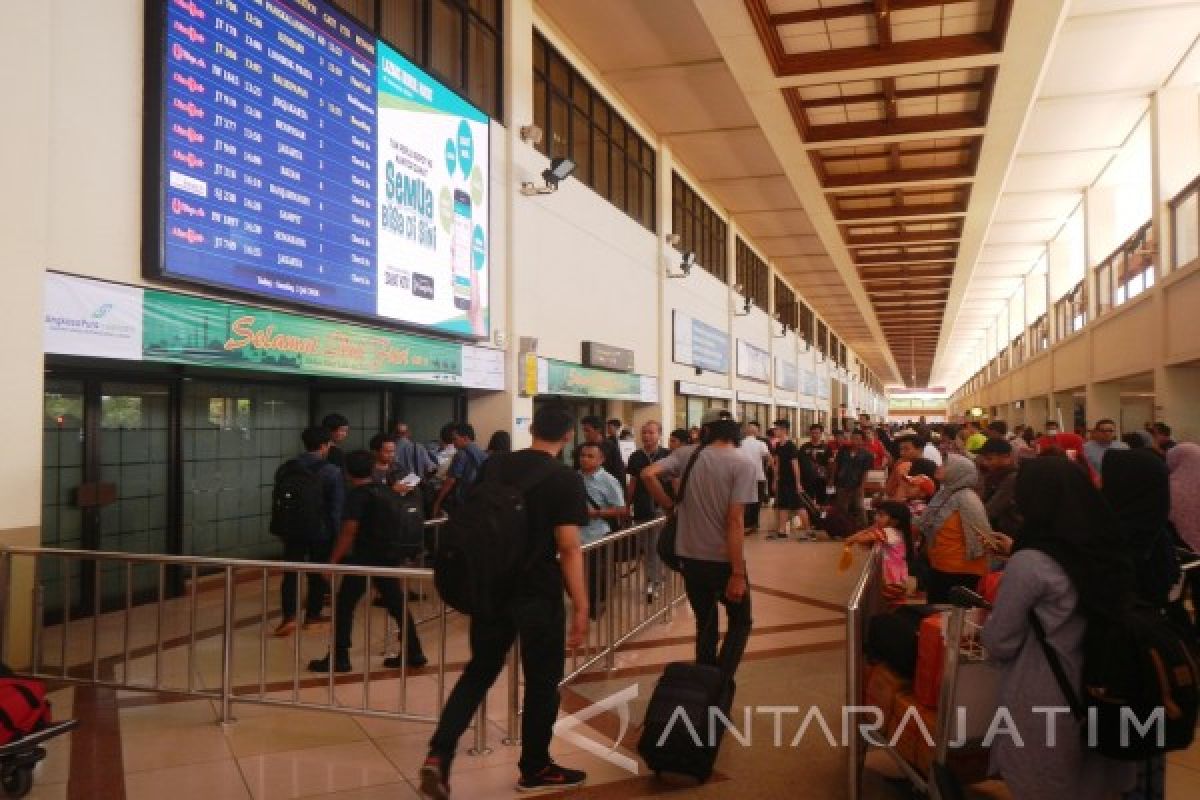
{"type": "Point", "coordinates": [1037, 412]}
{"type": "Point", "coordinates": [27, 59]}
{"type": "Point", "coordinates": [1103, 402]}
{"type": "Point", "coordinates": [1061, 407]}
{"type": "Point", "coordinates": [1177, 401]}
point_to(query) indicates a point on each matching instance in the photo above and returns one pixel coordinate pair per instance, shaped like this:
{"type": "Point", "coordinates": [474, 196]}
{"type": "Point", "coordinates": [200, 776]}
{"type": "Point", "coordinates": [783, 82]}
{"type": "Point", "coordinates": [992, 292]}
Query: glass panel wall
{"type": "Point", "coordinates": [234, 437]}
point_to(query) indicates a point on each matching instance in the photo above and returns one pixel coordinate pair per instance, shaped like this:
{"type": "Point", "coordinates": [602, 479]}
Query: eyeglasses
{"type": "Point", "coordinates": [1106, 430]}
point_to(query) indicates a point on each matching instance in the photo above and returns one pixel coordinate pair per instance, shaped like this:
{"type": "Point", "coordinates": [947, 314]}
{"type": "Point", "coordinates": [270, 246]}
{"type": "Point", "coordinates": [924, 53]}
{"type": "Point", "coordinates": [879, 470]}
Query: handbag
{"type": "Point", "coordinates": [669, 532]}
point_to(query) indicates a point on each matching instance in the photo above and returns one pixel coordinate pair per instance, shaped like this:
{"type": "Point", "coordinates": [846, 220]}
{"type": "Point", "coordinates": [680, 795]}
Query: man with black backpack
{"type": "Point", "coordinates": [306, 509]}
{"type": "Point", "coordinates": [372, 534]}
{"type": "Point", "coordinates": [511, 581]}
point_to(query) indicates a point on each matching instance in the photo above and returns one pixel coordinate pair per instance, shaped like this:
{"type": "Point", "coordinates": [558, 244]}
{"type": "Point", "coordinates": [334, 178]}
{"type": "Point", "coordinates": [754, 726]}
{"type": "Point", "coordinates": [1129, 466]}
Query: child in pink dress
{"type": "Point", "coordinates": [893, 529]}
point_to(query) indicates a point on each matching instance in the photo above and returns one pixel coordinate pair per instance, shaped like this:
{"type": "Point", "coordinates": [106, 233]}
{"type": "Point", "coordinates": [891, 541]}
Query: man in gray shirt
{"type": "Point", "coordinates": [711, 535]}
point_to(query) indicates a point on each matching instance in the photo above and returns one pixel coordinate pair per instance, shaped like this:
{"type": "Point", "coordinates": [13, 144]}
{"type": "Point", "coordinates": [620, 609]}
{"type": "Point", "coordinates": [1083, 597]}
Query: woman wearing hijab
{"type": "Point", "coordinates": [1137, 487]}
{"type": "Point", "coordinates": [1183, 462]}
{"type": "Point", "coordinates": [955, 531]}
{"type": "Point", "coordinates": [1068, 567]}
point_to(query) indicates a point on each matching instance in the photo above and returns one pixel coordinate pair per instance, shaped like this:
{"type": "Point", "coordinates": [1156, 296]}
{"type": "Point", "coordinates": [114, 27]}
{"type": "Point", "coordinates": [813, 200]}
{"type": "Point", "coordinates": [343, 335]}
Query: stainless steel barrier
{"type": "Point", "coordinates": [865, 600]}
{"type": "Point", "coordinates": [205, 627]}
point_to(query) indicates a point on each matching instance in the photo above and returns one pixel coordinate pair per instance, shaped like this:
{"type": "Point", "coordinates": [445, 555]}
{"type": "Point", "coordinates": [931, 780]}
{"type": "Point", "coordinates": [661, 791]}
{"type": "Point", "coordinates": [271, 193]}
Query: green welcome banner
{"type": "Point", "coordinates": [571, 379]}
{"type": "Point", "coordinates": [193, 330]}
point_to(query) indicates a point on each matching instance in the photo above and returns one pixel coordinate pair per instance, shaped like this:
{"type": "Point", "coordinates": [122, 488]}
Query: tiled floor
{"type": "Point", "coordinates": [172, 748]}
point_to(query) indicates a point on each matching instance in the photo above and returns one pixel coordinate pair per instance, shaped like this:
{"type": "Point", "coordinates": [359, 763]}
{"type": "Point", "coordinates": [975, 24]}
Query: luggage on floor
{"type": "Point", "coordinates": [931, 659]}
{"type": "Point", "coordinates": [676, 736]}
{"type": "Point", "coordinates": [892, 638]}
{"type": "Point", "coordinates": [23, 706]}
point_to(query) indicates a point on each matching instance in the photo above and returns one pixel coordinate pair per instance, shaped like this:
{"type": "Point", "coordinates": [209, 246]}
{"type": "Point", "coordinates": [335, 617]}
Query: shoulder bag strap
{"type": "Point", "coordinates": [1060, 674]}
{"type": "Point", "coordinates": [683, 481]}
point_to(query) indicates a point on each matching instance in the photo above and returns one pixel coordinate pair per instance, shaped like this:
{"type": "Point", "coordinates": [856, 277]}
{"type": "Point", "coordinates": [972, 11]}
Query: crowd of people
{"type": "Point", "coordinates": [1071, 522]}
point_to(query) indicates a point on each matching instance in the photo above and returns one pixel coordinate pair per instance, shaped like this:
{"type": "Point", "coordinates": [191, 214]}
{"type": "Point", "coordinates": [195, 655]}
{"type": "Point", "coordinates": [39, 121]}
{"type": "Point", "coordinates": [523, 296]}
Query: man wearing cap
{"type": "Point", "coordinates": [711, 533]}
{"type": "Point", "coordinates": [998, 486]}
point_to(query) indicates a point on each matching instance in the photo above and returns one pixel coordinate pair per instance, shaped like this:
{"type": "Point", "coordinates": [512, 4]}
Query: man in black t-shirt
{"type": "Point", "coordinates": [339, 428]}
{"type": "Point", "coordinates": [814, 463]}
{"type": "Point", "coordinates": [641, 505]}
{"type": "Point", "coordinates": [351, 548]}
{"type": "Point", "coordinates": [556, 509]}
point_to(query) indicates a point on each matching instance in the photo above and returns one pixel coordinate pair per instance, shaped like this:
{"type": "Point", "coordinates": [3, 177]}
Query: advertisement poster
{"type": "Point", "coordinates": [786, 377]}
{"type": "Point", "coordinates": [86, 318]}
{"type": "Point", "coordinates": [433, 203]}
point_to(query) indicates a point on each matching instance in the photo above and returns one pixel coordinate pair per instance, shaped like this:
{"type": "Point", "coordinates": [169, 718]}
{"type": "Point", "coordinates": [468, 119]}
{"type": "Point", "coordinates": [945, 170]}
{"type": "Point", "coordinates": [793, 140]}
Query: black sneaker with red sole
{"type": "Point", "coordinates": [551, 778]}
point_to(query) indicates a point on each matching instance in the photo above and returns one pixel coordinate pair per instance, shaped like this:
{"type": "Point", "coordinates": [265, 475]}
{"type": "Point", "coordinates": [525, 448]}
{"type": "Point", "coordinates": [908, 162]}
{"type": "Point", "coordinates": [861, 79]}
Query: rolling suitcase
{"type": "Point", "coordinates": [669, 744]}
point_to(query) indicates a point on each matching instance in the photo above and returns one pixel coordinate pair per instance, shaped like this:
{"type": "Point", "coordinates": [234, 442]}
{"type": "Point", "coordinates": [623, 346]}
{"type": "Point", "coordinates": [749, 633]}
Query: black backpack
{"type": "Point", "coordinates": [1138, 667]}
{"type": "Point", "coordinates": [298, 502]}
{"type": "Point", "coordinates": [393, 527]}
{"type": "Point", "coordinates": [484, 547]}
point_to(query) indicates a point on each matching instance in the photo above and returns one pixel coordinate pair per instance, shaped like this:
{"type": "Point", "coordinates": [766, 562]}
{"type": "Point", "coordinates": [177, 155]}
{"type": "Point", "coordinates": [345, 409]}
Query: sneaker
{"type": "Point", "coordinates": [319, 621]}
{"type": "Point", "coordinates": [551, 778]}
{"type": "Point", "coordinates": [340, 664]}
{"type": "Point", "coordinates": [286, 628]}
{"type": "Point", "coordinates": [412, 662]}
{"type": "Point", "coordinates": [435, 778]}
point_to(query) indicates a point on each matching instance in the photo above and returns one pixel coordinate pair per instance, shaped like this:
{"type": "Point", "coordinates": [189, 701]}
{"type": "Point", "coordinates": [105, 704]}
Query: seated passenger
{"type": "Point", "coordinates": [955, 531]}
{"type": "Point", "coordinates": [1068, 567]}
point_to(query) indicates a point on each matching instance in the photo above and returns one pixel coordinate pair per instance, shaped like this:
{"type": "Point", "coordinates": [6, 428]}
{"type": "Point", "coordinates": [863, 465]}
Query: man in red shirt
{"type": "Point", "coordinates": [875, 447]}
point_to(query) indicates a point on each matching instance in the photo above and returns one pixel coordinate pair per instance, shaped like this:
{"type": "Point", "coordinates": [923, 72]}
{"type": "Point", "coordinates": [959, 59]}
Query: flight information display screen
{"type": "Point", "coordinates": [302, 159]}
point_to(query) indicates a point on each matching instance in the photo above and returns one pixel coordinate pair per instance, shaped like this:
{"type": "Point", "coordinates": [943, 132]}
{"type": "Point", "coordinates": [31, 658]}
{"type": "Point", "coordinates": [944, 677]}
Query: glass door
{"type": "Point", "coordinates": [133, 462]}
{"type": "Point", "coordinates": [62, 475]}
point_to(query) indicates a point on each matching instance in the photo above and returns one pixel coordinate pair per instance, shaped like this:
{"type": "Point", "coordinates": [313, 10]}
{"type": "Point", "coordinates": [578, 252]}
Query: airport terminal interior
{"type": "Point", "coordinates": [930, 266]}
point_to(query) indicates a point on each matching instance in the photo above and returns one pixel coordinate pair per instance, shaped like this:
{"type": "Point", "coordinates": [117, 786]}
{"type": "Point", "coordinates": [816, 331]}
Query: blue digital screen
{"type": "Point", "coordinates": [279, 169]}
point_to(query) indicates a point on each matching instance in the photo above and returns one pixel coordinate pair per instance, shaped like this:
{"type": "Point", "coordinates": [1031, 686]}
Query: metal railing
{"type": "Point", "coordinates": [123, 629]}
{"type": "Point", "coordinates": [865, 601]}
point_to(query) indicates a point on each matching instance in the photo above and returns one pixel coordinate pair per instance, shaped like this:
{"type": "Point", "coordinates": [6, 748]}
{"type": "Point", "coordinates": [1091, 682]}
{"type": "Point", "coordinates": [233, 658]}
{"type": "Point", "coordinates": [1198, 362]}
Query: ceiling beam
{"type": "Point", "coordinates": [892, 175]}
{"type": "Point", "coordinates": [900, 94]}
{"type": "Point", "coordinates": [909, 52]}
{"type": "Point", "coordinates": [961, 122]}
{"type": "Point", "coordinates": [939, 256]}
{"type": "Point", "coordinates": [907, 212]}
{"type": "Point", "coordinates": [851, 10]}
{"type": "Point", "coordinates": [837, 154]}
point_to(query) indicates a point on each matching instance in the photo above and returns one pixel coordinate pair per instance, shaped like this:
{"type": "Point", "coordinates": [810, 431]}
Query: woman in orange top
{"type": "Point", "coordinates": [956, 531]}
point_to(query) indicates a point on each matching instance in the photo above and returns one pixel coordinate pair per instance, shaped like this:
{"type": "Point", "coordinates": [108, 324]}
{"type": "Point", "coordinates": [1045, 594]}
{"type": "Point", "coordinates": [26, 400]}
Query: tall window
{"type": "Point", "coordinates": [458, 41]}
{"type": "Point", "coordinates": [752, 274]}
{"type": "Point", "coordinates": [822, 342]}
{"type": "Point", "coordinates": [700, 229]}
{"type": "Point", "coordinates": [785, 305]}
{"type": "Point", "coordinates": [807, 318]}
{"type": "Point", "coordinates": [835, 349]}
{"type": "Point", "coordinates": [578, 123]}
{"type": "Point", "coordinates": [1070, 313]}
{"type": "Point", "coordinates": [1185, 225]}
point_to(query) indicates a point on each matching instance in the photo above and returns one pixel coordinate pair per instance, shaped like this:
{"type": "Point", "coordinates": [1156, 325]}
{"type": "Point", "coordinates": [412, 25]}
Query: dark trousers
{"type": "Point", "coordinates": [595, 567]}
{"type": "Point", "coordinates": [850, 503]}
{"type": "Point", "coordinates": [704, 582]}
{"type": "Point", "coordinates": [350, 592]}
{"type": "Point", "coordinates": [750, 516]}
{"type": "Point", "coordinates": [940, 583]}
{"type": "Point", "coordinates": [318, 587]}
{"type": "Point", "coordinates": [540, 622]}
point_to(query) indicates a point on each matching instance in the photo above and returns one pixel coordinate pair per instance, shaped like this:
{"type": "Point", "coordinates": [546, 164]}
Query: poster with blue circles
{"type": "Point", "coordinates": [433, 201]}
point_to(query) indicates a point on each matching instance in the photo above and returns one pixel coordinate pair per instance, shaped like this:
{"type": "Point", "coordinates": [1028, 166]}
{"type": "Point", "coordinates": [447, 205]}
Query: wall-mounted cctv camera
{"type": "Point", "coordinates": [560, 169]}
{"type": "Point", "coordinates": [685, 265]}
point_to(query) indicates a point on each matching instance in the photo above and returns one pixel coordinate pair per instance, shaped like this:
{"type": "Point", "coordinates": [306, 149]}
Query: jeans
{"type": "Point", "coordinates": [350, 592]}
{"type": "Point", "coordinates": [850, 503]}
{"type": "Point", "coordinates": [654, 565]}
{"type": "Point", "coordinates": [704, 582]}
{"type": "Point", "coordinates": [318, 586]}
{"type": "Point", "coordinates": [540, 622]}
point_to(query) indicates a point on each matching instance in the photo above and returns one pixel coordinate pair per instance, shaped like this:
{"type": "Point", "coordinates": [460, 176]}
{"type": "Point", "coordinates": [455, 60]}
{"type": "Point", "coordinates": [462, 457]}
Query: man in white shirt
{"type": "Point", "coordinates": [756, 452]}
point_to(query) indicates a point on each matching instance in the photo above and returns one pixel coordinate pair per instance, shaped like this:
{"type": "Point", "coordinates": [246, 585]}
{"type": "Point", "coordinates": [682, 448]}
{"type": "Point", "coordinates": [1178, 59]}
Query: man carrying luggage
{"type": "Point", "coordinates": [711, 534]}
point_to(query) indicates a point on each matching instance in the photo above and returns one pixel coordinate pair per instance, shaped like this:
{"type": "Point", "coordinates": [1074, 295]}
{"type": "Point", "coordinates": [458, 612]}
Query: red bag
{"type": "Point", "coordinates": [23, 708]}
{"type": "Point", "coordinates": [931, 658]}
